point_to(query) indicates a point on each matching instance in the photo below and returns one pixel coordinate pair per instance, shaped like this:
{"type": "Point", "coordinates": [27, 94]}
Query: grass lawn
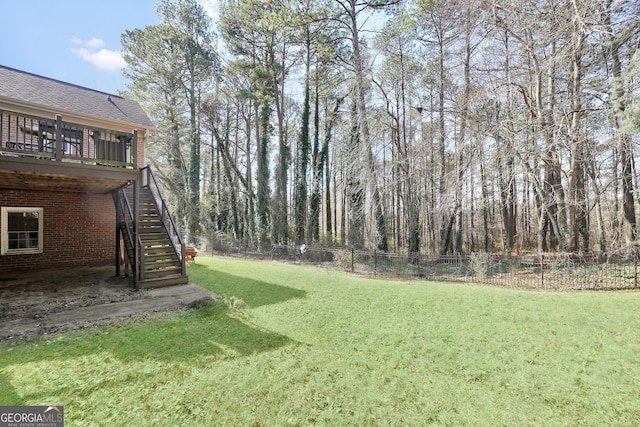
{"type": "Point", "coordinates": [305, 346]}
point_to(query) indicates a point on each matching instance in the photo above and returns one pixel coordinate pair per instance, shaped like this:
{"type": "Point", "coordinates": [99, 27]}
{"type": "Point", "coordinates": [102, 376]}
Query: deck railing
{"type": "Point", "coordinates": [60, 140]}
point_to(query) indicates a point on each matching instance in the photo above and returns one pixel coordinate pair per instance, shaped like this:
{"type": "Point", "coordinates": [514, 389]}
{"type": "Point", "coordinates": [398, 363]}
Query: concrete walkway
{"type": "Point", "coordinates": [157, 300]}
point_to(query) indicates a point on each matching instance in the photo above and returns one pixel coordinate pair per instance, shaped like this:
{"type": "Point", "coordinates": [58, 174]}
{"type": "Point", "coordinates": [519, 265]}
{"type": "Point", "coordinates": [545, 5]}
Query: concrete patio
{"type": "Point", "coordinates": [42, 303]}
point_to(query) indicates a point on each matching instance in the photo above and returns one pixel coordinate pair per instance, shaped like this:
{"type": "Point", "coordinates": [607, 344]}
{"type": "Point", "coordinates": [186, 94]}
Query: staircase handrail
{"type": "Point", "coordinates": [165, 215]}
{"type": "Point", "coordinates": [125, 208]}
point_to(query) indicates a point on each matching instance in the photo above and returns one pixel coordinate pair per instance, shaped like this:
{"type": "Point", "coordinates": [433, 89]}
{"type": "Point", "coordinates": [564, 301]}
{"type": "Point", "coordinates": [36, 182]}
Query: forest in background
{"type": "Point", "coordinates": [408, 126]}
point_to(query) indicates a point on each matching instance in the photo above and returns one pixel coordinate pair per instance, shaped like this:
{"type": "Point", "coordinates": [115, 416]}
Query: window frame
{"type": "Point", "coordinates": [4, 232]}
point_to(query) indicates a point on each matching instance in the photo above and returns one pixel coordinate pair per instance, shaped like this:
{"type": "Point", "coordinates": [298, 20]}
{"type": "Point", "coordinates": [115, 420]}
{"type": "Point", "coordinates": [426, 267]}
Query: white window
{"type": "Point", "coordinates": [21, 231]}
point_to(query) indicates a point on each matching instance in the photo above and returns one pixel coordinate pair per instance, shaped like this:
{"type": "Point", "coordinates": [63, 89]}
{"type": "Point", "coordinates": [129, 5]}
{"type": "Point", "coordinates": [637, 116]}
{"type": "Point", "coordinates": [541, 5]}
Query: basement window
{"type": "Point", "coordinates": [21, 231]}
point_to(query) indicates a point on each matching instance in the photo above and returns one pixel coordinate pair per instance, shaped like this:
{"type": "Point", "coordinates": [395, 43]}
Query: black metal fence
{"type": "Point", "coordinates": [545, 271]}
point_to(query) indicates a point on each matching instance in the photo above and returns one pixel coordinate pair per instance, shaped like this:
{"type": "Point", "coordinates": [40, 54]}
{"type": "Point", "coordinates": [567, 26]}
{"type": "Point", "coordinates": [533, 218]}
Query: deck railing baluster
{"type": "Point", "coordinates": [44, 138]}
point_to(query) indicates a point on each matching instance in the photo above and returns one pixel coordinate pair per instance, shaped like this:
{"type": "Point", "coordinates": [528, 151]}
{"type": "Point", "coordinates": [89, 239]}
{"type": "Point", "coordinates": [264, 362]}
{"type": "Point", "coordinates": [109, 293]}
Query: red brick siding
{"type": "Point", "coordinates": [79, 230]}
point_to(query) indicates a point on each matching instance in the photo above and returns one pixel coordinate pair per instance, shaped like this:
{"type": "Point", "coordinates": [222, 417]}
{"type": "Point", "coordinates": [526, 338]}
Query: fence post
{"type": "Point", "coordinates": [352, 258]}
{"type": "Point", "coordinates": [635, 269]}
{"type": "Point", "coordinates": [375, 261]}
{"type": "Point", "coordinates": [542, 270]}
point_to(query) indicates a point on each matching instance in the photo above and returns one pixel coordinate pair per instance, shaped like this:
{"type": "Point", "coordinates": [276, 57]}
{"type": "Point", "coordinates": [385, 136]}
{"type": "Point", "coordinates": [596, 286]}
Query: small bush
{"type": "Point", "coordinates": [343, 259]}
{"type": "Point", "coordinates": [235, 304]}
{"type": "Point", "coordinates": [480, 264]}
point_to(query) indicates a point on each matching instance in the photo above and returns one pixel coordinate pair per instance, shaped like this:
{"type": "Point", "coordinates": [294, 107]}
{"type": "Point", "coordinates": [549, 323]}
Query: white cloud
{"type": "Point", "coordinates": [95, 43]}
{"type": "Point", "coordinates": [102, 59]}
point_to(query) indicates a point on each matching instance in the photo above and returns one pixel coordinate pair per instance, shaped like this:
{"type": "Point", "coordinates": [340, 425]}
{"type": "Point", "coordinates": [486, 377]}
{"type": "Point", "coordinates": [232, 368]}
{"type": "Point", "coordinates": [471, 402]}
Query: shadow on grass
{"type": "Point", "coordinates": [208, 331]}
{"type": "Point", "coordinates": [191, 335]}
{"type": "Point", "coordinates": [8, 394]}
{"type": "Point", "coordinates": [254, 293]}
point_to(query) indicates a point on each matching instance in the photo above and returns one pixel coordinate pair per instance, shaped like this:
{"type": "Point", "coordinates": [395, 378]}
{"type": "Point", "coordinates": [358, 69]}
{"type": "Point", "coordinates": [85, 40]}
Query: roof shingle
{"type": "Point", "coordinates": [54, 94]}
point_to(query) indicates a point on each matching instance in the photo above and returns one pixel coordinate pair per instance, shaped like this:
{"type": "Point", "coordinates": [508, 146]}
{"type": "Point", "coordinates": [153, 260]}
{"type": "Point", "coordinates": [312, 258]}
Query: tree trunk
{"type": "Point", "coordinates": [262, 135]}
{"type": "Point", "coordinates": [629, 224]}
{"type": "Point", "coordinates": [320, 164]}
{"type": "Point", "coordinates": [317, 167]}
{"type": "Point", "coordinates": [446, 223]}
{"type": "Point", "coordinates": [354, 186]}
{"type": "Point", "coordinates": [579, 233]}
{"type": "Point", "coordinates": [249, 179]}
{"type": "Point", "coordinates": [330, 220]}
{"type": "Point", "coordinates": [194, 169]}
{"type": "Point", "coordinates": [381, 233]}
{"type": "Point", "coordinates": [300, 194]}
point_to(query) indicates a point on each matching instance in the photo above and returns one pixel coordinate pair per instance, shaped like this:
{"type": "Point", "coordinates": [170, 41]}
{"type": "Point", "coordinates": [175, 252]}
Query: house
{"type": "Point", "coordinates": [74, 190]}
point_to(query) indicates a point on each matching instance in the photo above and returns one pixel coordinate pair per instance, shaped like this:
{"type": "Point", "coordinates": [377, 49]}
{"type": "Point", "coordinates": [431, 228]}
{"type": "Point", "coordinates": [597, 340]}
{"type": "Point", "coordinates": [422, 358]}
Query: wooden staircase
{"type": "Point", "coordinates": [161, 258]}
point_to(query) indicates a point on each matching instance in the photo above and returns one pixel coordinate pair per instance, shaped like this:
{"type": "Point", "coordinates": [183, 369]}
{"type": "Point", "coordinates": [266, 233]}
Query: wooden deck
{"type": "Point", "coordinates": [37, 153]}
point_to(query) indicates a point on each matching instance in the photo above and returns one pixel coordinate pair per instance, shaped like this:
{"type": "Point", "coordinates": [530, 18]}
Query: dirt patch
{"type": "Point", "coordinates": [34, 296]}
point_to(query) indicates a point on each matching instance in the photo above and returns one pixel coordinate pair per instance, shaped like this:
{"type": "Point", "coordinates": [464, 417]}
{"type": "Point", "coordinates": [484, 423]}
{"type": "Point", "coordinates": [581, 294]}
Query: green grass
{"type": "Point", "coordinates": [316, 347]}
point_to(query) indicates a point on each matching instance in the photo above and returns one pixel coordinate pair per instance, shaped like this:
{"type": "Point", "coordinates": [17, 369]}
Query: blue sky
{"type": "Point", "coordinates": [76, 41]}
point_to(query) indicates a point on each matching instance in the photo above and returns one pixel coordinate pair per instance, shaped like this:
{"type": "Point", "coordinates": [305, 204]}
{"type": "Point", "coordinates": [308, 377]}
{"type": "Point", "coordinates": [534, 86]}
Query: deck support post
{"type": "Point", "coordinates": [59, 138]}
{"type": "Point", "coordinates": [118, 233]}
{"type": "Point", "coordinates": [136, 236]}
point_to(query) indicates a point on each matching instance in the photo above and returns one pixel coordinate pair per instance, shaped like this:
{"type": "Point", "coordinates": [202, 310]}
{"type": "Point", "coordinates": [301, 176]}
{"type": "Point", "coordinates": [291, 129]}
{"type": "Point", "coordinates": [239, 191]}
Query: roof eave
{"type": "Point", "coordinates": [40, 110]}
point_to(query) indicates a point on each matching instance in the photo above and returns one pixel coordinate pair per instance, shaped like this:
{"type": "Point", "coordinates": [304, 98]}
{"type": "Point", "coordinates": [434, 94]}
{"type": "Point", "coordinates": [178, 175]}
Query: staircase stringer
{"type": "Point", "coordinates": [151, 238]}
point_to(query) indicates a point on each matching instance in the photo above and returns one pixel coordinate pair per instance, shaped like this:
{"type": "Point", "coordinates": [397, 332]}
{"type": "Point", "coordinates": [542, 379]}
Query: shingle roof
{"type": "Point", "coordinates": [55, 94]}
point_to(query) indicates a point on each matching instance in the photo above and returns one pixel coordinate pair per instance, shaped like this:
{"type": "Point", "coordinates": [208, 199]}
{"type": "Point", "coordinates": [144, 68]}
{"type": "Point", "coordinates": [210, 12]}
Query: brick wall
{"type": "Point", "coordinates": [79, 230]}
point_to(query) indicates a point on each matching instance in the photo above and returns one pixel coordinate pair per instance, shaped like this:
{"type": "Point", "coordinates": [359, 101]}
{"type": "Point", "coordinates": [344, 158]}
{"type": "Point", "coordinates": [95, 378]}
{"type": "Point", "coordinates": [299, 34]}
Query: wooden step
{"type": "Point", "coordinates": [161, 238]}
{"type": "Point", "coordinates": [161, 268]}
{"type": "Point", "coordinates": [162, 272]}
{"type": "Point", "coordinates": [151, 229]}
{"type": "Point", "coordinates": [157, 245]}
{"type": "Point", "coordinates": [160, 264]}
{"type": "Point", "coordinates": [165, 281]}
{"type": "Point", "coordinates": [161, 256]}
{"type": "Point", "coordinates": [159, 251]}
{"type": "Point", "coordinates": [148, 210]}
{"type": "Point", "coordinates": [150, 221]}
